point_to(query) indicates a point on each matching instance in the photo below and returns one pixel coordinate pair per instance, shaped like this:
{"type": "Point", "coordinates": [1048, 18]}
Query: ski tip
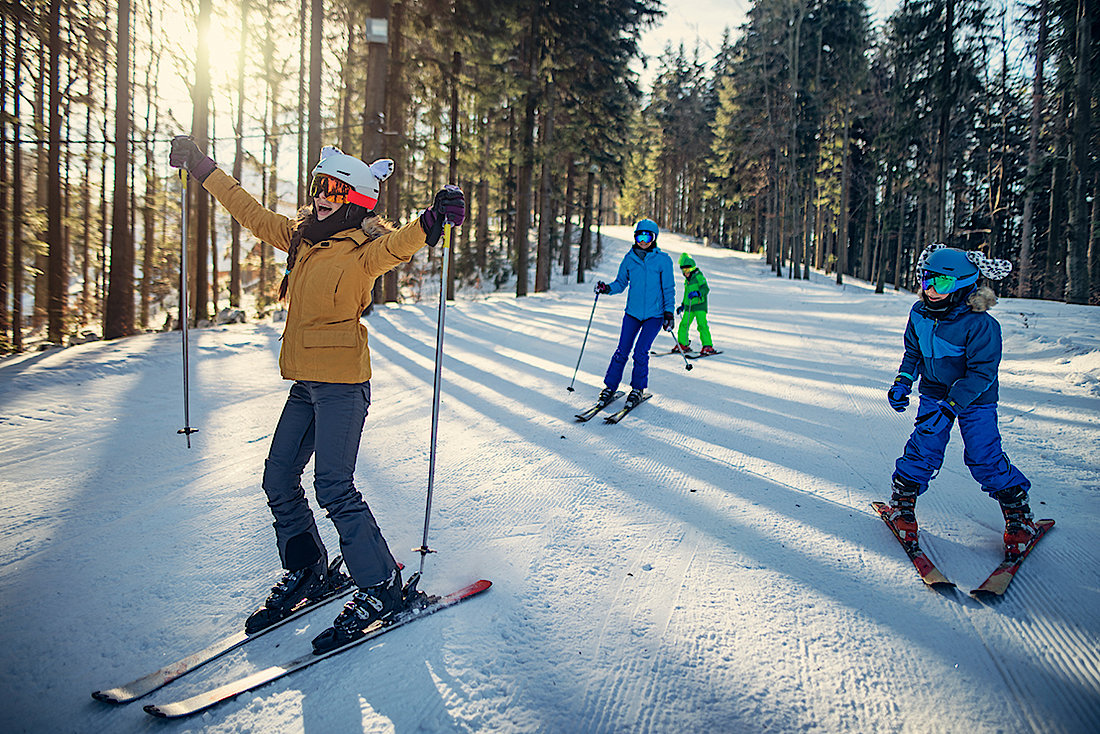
{"type": "Point", "coordinates": [153, 710]}
{"type": "Point", "coordinates": [105, 697]}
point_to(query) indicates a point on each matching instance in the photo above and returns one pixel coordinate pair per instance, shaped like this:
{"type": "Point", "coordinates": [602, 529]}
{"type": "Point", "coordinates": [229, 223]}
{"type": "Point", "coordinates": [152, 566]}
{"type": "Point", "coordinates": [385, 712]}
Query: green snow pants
{"type": "Point", "coordinates": [700, 317]}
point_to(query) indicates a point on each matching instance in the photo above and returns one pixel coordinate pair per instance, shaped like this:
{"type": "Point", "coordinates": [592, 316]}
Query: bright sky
{"type": "Point", "coordinates": [688, 21]}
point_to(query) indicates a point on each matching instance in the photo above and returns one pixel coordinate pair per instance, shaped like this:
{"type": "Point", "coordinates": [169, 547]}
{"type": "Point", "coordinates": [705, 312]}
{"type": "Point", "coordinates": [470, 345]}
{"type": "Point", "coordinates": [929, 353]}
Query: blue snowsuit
{"type": "Point", "coordinates": [652, 293]}
{"type": "Point", "coordinates": [956, 356]}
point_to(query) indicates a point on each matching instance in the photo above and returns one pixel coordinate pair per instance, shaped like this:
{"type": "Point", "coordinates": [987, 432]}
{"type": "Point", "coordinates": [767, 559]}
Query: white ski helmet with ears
{"type": "Point", "coordinates": [362, 178]}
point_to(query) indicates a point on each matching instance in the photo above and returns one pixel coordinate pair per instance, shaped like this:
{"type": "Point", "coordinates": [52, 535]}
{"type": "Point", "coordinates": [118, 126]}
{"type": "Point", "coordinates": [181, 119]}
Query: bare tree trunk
{"type": "Point", "coordinates": [119, 319]}
{"type": "Point", "coordinates": [1024, 287]}
{"type": "Point", "coordinates": [1053, 285]}
{"type": "Point", "coordinates": [17, 186]}
{"type": "Point", "coordinates": [527, 154]}
{"type": "Point", "coordinates": [1077, 270]}
{"type": "Point", "coordinates": [482, 237]}
{"type": "Point", "coordinates": [238, 167]}
{"type": "Point", "coordinates": [946, 104]}
{"type": "Point", "coordinates": [542, 251]}
{"type": "Point", "coordinates": [1094, 243]}
{"type": "Point", "coordinates": [567, 234]}
{"type": "Point", "coordinates": [40, 314]}
{"type": "Point", "coordinates": [845, 199]}
{"type": "Point", "coordinates": [313, 149]}
{"type": "Point", "coordinates": [394, 138]}
{"type": "Point", "coordinates": [149, 203]}
{"type": "Point", "coordinates": [345, 95]}
{"type": "Point", "coordinates": [302, 101]}
{"type": "Point", "coordinates": [200, 132]}
{"type": "Point", "coordinates": [5, 182]}
{"type": "Point", "coordinates": [585, 256]}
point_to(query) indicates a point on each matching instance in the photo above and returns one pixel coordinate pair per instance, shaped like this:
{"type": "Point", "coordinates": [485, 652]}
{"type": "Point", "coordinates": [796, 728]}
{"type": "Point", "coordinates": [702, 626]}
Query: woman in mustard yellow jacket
{"type": "Point", "coordinates": [336, 248]}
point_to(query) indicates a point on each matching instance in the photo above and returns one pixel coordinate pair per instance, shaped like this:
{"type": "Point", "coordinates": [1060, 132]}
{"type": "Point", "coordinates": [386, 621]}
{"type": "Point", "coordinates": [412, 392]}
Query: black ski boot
{"type": "Point", "coordinates": [378, 603]}
{"type": "Point", "coordinates": [294, 589]}
{"type": "Point", "coordinates": [633, 398]}
{"type": "Point", "coordinates": [1019, 522]}
{"type": "Point", "coordinates": [903, 505]}
{"type": "Point", "coordinates": [606, 395]}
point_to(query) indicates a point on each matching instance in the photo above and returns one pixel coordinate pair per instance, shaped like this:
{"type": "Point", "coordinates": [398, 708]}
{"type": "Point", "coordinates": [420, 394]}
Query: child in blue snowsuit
{"type": "Point", "coordinates": [647, 272]}
{"type": "Point", "coordinates": [953, 345]}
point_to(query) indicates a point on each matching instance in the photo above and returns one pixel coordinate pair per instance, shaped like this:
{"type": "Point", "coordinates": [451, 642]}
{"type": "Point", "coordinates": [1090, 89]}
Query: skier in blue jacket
{"type": "Point", "coordinates": [953, 345]}
{"type": "Point", "coordinates": [647, 271]}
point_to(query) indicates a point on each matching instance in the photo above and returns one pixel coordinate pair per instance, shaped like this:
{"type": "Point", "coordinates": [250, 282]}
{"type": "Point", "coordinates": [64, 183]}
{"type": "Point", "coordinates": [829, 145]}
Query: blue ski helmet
{"type": "Point", "coordinates": [948, 270]}
{"type": "Point", "coordinates": [646, 225]}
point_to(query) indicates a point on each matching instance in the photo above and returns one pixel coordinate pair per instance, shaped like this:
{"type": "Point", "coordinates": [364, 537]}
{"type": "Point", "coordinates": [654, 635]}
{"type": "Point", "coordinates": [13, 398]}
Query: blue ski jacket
{"type": "Point", "coordinates": [652, 284]}
{"type": "Point", "coordinates": [957, 355]}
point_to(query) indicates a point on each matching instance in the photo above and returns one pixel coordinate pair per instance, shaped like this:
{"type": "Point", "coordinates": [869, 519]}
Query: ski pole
{"type": "Point", "coordinates": [570, 388]}
{"type": "Point", "coordinates": [187, 430]}
{"type": "Point", "coordinates": [424, 550]}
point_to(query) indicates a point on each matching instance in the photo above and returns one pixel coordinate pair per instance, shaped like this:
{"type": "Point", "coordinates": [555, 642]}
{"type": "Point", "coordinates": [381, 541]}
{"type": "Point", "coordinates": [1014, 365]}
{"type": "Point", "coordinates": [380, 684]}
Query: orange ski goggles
{"type": "Point", "coordinates": [337, 191]}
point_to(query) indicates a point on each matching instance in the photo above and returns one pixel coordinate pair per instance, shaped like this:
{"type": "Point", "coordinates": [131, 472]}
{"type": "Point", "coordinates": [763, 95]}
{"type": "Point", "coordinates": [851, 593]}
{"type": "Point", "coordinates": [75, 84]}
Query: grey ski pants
{"type": "Point", "coordinates": [323, 420]}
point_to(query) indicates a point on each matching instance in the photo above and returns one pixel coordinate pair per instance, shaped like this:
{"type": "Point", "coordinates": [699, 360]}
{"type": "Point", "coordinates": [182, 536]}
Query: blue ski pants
{"type": "Point", "coordinates": [323, 420]}
{"type": "Point", "coordinates": [982, 452]}
{"type": "Point", "coordinates": [644, 331]}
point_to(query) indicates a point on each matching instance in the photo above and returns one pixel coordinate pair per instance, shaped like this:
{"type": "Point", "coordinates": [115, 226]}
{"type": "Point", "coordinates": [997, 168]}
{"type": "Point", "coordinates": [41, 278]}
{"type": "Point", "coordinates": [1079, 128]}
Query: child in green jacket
{"type": "Point", "coordinates": [694, 307]}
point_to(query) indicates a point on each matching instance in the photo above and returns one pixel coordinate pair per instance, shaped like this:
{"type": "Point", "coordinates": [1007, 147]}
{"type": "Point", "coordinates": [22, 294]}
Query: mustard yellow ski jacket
{"type": "Point", "coordinates": [330, 284]}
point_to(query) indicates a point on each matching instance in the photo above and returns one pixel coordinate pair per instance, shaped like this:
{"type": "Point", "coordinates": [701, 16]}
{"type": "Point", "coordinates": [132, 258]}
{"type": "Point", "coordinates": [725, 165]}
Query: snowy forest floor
{"type": "Point", "coordinates": [709, 564]}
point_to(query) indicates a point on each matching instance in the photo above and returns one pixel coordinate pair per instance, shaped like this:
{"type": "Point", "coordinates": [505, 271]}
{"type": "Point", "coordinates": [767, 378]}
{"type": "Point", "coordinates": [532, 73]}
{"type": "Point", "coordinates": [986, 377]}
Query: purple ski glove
{"type": "Point", "coordinates": [185, 154]}
{"type": "Point", "coordinates": [450, 206]}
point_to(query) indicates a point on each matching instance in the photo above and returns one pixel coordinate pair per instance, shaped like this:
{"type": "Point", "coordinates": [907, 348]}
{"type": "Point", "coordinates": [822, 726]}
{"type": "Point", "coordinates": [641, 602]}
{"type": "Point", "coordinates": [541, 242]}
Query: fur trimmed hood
{"type": "Point", "coordinates": [982, 299]}
{"type": "Point", "coordinates": [374, 226]}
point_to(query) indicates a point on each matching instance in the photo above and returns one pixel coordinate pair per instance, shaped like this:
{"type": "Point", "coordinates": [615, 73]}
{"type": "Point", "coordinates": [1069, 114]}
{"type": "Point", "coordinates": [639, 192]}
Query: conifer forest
{"type": "Point", "coordinates": [812, 136]}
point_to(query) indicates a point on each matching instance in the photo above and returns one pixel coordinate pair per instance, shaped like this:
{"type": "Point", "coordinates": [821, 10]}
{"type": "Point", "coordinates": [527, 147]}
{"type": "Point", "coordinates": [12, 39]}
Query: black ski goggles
{"type": "Point", "coordinates": [643, 236]}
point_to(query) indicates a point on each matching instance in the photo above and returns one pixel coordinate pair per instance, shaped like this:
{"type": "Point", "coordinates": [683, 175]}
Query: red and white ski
{"type": "Point", "coordinates": [927, 570]}
{"type": "Point", "coordinates": [1002, 576]}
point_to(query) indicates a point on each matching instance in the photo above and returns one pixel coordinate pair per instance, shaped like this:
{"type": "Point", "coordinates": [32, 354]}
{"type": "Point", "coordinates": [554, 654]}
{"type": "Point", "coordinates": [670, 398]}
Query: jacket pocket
{"type": "Point", "coordinates": [322, 337]}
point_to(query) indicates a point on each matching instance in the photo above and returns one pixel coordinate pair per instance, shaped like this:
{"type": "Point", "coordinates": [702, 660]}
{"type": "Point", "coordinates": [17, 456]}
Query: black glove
{"type": "Point", "coordinates": [185, 154]}
{"type": "Point", "coordinates": [450, 206]}
{"type": "Point", "coordinates": [679, 309]}
{"type": "Point", "coordinates": [601, 287]}
{"type": "Point", "coordinates": [668, 321]}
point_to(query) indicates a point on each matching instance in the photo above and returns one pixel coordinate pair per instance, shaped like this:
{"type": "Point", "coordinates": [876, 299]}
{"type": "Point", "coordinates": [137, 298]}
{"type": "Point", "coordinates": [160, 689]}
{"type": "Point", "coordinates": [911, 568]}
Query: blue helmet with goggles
{"type": "Point", "coordinates": [646, 231]}
{"type": "Point", "coordinates": [948, 270]}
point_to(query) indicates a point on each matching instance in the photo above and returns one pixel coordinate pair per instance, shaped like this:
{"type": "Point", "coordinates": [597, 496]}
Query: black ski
{"type": "Point", "coordinates": [700, 354]}
{"type": "Point", "coordinates": [203, 701]}
{"type": "Point", "coordinates": [591, 412]}
{"type": "Point", "coordinates": [665, 354]}
{"type": "Point", "coordinates": [616, 417]}
{"type": "Point", "coordinates": [147, 684]}
{"type": "Point", "coordinates": [1002, 575]}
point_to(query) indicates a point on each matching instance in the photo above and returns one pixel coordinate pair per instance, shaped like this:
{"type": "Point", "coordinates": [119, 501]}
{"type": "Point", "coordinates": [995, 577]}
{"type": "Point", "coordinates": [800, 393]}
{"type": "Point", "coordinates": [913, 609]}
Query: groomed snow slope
{"type": "Point", "coordinates": [710, 564]}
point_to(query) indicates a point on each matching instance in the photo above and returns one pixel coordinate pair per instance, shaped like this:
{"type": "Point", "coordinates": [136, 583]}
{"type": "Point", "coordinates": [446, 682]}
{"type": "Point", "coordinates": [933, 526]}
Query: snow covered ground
{"type": "Point", "coordinates": [709, 565]}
